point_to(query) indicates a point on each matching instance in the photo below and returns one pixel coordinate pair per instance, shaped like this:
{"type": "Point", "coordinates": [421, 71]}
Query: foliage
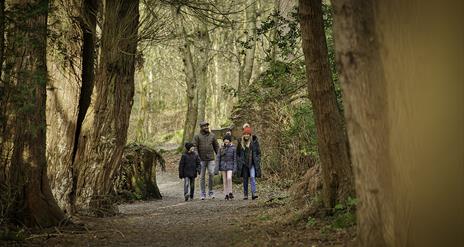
{"type": "Point", "coordinates": [311, 221]}
{"type": "Point", "coordinates": [283, 115]}
{"type": "Point", "coordinates": [277, 106]}
{"type": "Point", "coordinates": [281, 32]}
{"type": "Point", "coordinates": [344, 215]}
{"type": "Point", "coordinates": [12, 234]}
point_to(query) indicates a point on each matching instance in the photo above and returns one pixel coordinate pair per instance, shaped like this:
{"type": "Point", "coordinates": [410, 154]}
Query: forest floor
{"type": "Point", "coordinates": [175, 222]}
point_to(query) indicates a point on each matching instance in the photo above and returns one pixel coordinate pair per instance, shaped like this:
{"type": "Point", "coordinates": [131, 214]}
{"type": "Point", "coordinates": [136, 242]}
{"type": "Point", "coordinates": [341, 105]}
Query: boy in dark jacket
{"type": "Point", "coordinates": [189, 166]}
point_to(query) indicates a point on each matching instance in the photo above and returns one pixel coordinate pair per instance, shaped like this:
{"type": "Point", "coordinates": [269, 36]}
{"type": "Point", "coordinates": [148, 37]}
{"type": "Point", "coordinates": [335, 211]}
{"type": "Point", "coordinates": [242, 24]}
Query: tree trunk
{"type": "Point", "coordinates": [331, 136]}
{"type": "Point", "coordinates": [246, 67]}
{"type": "Point", "coordinates": [142, 114]}
{"type": "Point", "coordinates": [71, 85]}
{"type": "Point", "coordinates": [24, 183]}
{"type": "Point", "coordinates": [2, 36]}
{"type": "Point", "coordinates": [401, 75]}
{"type": "Point", "coordinates": [192, 87]}
{"type": "Point", "coordinates": [104, 130]}
{"type": "Point", "coordinates": [202, 63]}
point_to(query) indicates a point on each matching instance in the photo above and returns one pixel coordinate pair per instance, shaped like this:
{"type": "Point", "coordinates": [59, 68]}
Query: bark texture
{"type": "Point", "coordinates": [25, 193]}
{"type": "Point", "coordinates": [246, 66]}
{"type": "Point", "coordinates": [104, 130]}
{"type": "Point", "coordinates": [331, 136]}
{"type": "Point", "coordinates": [399, 69]}
{"type": "Point", "coordinates": [202, 63]}
{"type": "Point", "coordinates": [71, 60]}
{"type": "Point", "coordinates": [192, 85]}
{"type": "Point", "coordinates": [137, 173]}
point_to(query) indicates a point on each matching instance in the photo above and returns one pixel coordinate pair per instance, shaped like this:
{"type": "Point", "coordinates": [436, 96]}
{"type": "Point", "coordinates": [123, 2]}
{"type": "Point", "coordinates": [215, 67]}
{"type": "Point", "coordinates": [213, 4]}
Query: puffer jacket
{"type": "Point", "coordinates": [189, 165]}
{"type": "Point", "coordinates": [207, 145]}
{"type": "Point", "coordinates": [227, 158]}
{"type": "Point", "coordinates": [256, 157]}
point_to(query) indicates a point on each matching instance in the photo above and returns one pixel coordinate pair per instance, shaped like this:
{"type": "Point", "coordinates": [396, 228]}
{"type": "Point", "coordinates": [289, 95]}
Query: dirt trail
{"type": "Point", "coordinates": [167, 222]}
{"type": "Point", "coordinates": [174, 222]}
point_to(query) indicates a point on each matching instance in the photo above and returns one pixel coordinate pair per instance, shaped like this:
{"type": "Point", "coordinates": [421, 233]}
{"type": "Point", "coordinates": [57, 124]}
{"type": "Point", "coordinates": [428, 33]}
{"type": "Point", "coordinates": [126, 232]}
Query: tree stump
{"type": "Point", "coordinates": [137, 173]}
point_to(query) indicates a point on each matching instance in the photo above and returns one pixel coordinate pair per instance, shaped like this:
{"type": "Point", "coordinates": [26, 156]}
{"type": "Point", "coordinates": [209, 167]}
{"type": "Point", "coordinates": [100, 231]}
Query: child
{"type": "Point", "coordinates": [189, 166]}
{"type": "Point", "coordinates": [227, 163]}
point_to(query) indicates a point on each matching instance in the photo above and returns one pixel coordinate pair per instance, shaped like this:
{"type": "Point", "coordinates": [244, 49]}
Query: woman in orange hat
{"type": "Point", "coordinates": [249, 161]}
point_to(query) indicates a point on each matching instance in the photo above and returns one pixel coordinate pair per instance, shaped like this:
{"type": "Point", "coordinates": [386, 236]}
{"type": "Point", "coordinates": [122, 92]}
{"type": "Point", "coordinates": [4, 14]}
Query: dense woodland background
{"type": "Point", "coordinates": [357, 104]}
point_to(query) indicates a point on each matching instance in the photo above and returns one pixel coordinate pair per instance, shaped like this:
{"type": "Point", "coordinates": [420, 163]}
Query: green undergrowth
{"type": "Point", "coordinates": [12, 234]}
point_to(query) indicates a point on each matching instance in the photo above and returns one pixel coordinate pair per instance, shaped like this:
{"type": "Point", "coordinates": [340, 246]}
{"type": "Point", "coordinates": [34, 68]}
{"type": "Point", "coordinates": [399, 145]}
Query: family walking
{"type": "Point", "coordinates": [205, 154]}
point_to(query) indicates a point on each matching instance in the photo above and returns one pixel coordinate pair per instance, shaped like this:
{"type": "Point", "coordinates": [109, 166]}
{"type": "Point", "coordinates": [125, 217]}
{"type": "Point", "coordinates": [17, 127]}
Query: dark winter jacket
{"type": "Point", "coordinates": [207, 145]}
{"type": "Point", "coordinates": [227, 158]}
{"type": "Point", "coordinates": [189, 165]}
{"type": "Point", "coordinates": [242, 163]}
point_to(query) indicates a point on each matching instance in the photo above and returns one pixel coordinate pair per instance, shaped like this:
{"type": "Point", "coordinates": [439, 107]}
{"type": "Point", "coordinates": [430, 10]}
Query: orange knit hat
{"type": "Point", "coordinates": [247, 130]}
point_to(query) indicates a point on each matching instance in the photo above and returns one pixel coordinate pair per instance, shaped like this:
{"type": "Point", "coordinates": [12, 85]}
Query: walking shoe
{"type": "Point", "coordinates": [254, 197]}
{"type": "Point", "coordinates": [202, 198]}
{"type": "Point", "coordinates": [191, 197]}
{"type": "Point", "coordinates": [227, 197]}
{"type": "Point", "coordinates": [245, 198]}
{"type": "Point", "coordinates": [186, 198]}
{"type": "Point", "coordinates": [231, 196]}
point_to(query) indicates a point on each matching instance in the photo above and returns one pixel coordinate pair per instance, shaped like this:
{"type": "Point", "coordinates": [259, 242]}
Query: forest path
{"type": "Point", "coordinates": [175, 222]}
{"type": "Point", "coordinates": [168, 222]}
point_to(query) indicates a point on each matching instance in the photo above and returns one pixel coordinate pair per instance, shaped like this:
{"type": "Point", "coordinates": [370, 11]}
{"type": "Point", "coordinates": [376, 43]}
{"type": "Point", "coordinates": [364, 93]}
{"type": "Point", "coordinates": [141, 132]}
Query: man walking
{"type": "Point", "coordinates": [207, 147]}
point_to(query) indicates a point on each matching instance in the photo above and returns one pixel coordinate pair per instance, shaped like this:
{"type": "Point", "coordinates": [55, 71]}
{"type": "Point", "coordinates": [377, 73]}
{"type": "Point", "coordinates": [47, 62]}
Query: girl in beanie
{"type": "Point", "coordinates": [189, 166]}
{"type": "Point", "coordinates": [227, 164]}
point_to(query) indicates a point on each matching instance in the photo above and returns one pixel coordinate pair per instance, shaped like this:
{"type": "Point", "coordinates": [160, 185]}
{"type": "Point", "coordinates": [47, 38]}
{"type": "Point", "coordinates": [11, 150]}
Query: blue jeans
{"type": "Point", "coordinates": [249, 173]}
{"type": "Point", "coordinates": [210, 165]}
{"type": "Point", "coordinates": [189, 187]}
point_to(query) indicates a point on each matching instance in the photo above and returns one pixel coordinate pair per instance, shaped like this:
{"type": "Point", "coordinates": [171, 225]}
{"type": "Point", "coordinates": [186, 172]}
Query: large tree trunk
{"type": "Point", "coordinates": [401, 75]}
{"type": "Point", "coordinates": [331, 136]}
{"type": "Point", "coordinates": [24, 183]}
{"type": "Point", "coordinates": [104, 130]}
{"type": "Point", "coordinates": [71, 84]}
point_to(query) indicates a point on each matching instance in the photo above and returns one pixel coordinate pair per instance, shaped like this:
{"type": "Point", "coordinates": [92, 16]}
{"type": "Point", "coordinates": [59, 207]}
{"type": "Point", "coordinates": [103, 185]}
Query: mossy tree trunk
{"type": "Point", "coordinates": [24, 181]}
{"type": "Point", "coordinates": [104, 130]}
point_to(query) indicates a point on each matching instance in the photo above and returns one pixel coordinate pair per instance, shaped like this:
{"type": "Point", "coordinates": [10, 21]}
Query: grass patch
{"type": "Point", "coordinates": [264, 217]}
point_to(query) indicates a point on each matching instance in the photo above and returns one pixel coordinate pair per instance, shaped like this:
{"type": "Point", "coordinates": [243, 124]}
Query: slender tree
{"type": "Point", "coordinates": [202, 62]}
{"type": "Point", "coordinates": [191, 80]}
{"type": "Point", "coordinates": [246, 64]}
{"type": "Point", "coordinates": [2, 34]}
{"type": "Point", "coordinates": [331, 135]}
{"type": "Point", "coordinates": [25, 192]}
